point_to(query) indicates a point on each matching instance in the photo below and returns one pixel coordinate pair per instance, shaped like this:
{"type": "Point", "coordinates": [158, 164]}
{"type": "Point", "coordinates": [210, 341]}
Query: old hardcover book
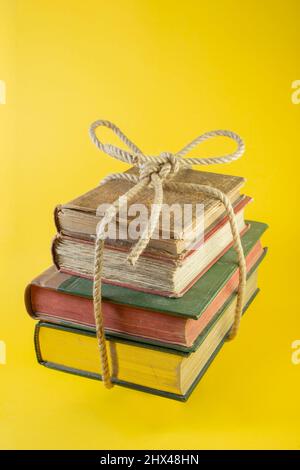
{"type": "Point", "coordinates": [156, 271]}
{"type": "Point", "coordinates": [145, 367]}
{"type": "Point", "coordinates": [58, 297]}
{"type": "Point", "coordinates": [79, 217]}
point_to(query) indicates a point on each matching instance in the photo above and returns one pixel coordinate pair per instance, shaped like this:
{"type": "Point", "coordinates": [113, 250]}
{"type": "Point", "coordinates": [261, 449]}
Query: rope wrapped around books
{"type": "Point", "coordinates": [157, 172]}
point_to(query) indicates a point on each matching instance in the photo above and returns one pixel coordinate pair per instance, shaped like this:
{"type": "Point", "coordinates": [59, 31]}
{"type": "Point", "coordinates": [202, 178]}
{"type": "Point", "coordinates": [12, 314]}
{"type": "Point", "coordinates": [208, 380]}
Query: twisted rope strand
{"type": "Point", "coordinates": [156, 172]}
{"type": "Point", "coordinates": [147, 233]}
{"type": "Point", "coordinates": [130, 158]}
{"type": "Point", "coordinates": [97, 296]}
{"type": "Point", "coordinates": [237, 244]}
{"type": "Point", "coordinates": [215, 160]}
{"type": "Point", "coordinates": [110, 214]}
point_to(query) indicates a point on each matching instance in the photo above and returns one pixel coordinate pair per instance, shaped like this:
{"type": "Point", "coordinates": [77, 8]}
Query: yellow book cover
{"type": "Point", "coordinates": [142, 366]}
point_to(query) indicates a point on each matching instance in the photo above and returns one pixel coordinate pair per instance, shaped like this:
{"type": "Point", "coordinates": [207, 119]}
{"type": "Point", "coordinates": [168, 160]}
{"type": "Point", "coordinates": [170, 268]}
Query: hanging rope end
{"type": "Point", "coordinates": [108, 384]}
{"type": "Point", "coordinates": [232, 334]}
{"type": "Point", "coordinates": [235, 327]}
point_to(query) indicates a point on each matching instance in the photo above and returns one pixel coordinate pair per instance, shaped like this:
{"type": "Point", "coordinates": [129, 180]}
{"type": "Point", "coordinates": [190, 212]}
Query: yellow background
{"type": "Point", "coordinates": [164, 71]}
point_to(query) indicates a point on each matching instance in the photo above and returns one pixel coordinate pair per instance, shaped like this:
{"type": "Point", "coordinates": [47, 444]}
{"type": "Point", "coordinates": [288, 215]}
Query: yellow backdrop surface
{"type": "Point", "coordinates": [164, 71]}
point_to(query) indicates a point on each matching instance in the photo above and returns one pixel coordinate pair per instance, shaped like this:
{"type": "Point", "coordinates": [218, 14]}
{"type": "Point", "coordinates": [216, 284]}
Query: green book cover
{"type": "Point", "coordinates": [193, 303]}
{"type": "Point", "coordinates": [148, 341]}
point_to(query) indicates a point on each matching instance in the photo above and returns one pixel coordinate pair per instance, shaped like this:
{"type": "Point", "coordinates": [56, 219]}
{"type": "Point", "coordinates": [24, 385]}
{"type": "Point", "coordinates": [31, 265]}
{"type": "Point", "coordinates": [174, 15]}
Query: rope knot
{"type": "Point", "coordinates": [166, 165]}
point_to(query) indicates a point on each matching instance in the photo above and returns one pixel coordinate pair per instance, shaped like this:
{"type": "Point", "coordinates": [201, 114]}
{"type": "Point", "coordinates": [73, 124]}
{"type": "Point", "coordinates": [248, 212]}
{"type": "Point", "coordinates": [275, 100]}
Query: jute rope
{"type": "Point", "coordinates": [157, 172]}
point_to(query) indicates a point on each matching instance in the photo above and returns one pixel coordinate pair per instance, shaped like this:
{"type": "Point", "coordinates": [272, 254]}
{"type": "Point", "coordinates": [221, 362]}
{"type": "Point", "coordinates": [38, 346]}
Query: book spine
{"type": "Point", "coordinates": [56, 218]}
{"type": "Point", "coordinates": [28, 301]}
{"type": "Point", "coordinates": [53, 251]}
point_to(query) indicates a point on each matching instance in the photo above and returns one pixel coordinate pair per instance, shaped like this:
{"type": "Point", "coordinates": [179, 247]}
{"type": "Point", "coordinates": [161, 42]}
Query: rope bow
{"type": "Point", "coordinates": [157, 172]}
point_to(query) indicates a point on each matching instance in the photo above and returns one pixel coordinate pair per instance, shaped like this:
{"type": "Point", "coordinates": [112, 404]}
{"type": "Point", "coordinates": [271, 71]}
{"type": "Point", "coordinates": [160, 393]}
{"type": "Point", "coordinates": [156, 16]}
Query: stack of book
{"type": "Point", "coordinates": [166, 318]}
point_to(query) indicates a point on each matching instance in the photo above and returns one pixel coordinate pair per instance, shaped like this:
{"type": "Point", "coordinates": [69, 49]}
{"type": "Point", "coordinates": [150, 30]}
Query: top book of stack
{"type": "Point", "coordinates": [169, 266]}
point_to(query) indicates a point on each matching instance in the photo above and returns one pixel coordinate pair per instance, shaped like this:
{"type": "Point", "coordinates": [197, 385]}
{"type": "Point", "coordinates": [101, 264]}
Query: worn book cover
{"type": "Point", "coordinates": [78, 218]}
